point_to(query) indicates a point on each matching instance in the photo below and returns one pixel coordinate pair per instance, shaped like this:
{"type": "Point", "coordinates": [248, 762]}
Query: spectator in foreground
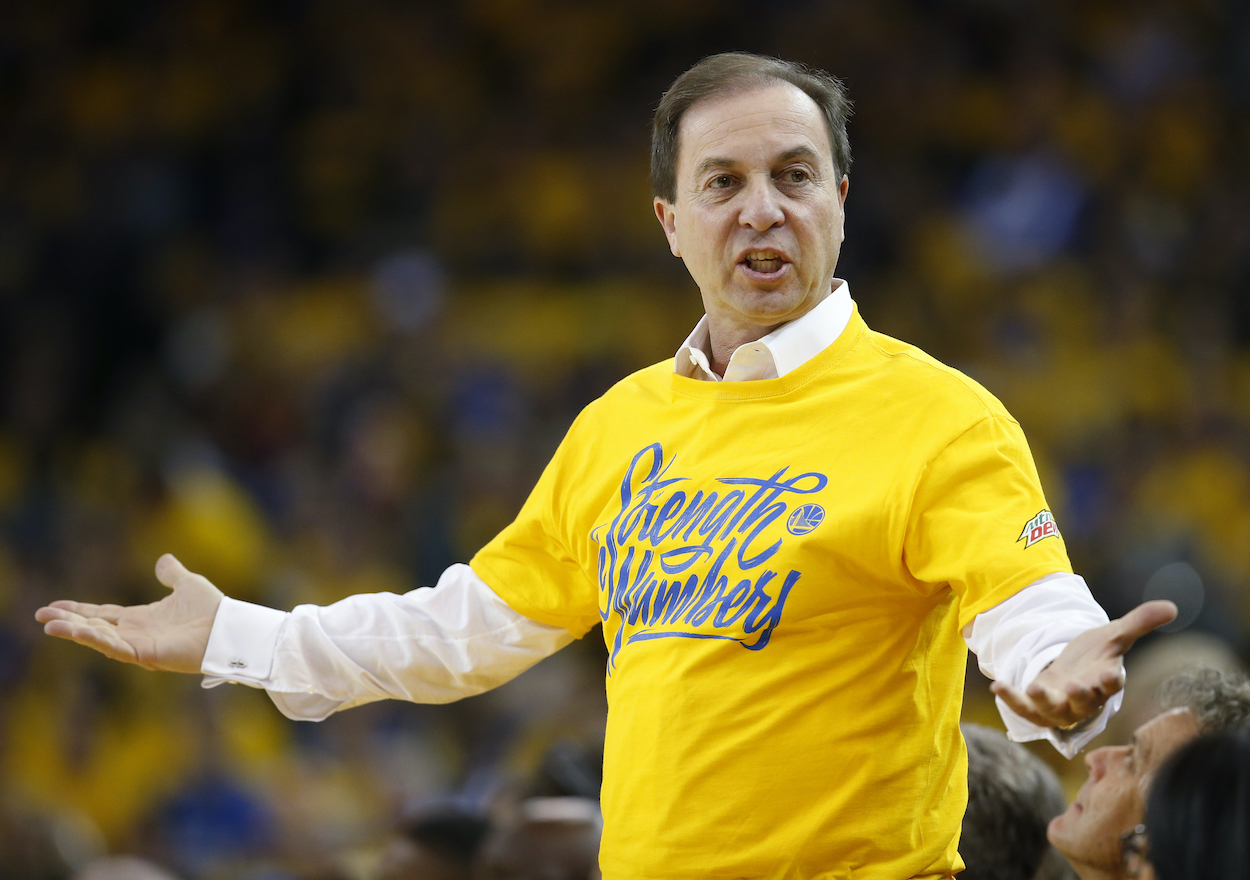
{"type": "Point", "coordinates": [436, 846]}
{"type": "Point", "coordinates": [552, 839]}
{"type": "Point", "coordinates": [1111, 803]}
{"type": "Point", "coordinates": [1012, 795]}
{"type": "Point", "coordinates": [1198, 814]}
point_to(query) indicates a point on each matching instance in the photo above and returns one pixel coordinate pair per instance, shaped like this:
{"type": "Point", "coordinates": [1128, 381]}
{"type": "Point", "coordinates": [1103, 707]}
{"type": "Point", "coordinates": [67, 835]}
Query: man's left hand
{"type": "Point", "coordinates": [1088, 672]}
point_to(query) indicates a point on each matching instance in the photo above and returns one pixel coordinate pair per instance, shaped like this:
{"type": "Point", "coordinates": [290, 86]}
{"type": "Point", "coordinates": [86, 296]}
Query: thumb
{"type": "Point", "coordinates": [1145, 618]}
{"type": "Point", "coordinates": [169, 570]}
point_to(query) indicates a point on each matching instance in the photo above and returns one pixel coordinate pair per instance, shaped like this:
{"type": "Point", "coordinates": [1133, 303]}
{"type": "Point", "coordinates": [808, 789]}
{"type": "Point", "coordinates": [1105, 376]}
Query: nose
{"type": "Point", "coordinates": [761, 206]}
{"type": "Point", "coordinates": [1096, 762]}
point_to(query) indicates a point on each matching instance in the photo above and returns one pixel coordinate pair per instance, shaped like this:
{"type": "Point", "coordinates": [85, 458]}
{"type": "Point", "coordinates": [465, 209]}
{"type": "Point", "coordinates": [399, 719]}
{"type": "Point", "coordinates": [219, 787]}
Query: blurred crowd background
{"type": "Point", "coordinates": [307, 293]}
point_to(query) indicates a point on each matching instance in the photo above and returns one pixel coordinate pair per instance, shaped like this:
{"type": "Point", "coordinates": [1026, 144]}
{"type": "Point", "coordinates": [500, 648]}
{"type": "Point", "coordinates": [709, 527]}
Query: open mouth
{"type": "Point", "coordinates": [766, 263]}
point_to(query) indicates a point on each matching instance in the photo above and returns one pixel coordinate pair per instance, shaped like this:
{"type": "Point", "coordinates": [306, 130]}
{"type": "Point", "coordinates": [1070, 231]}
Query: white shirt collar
{"type": "Point", "coordinates": [770, 357]}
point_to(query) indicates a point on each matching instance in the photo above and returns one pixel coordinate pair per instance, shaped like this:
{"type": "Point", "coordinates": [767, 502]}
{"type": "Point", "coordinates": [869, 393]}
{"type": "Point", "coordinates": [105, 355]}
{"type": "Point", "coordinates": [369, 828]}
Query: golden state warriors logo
{"type": "Point", "coordinates": [686, 562]}
{"type": "Point", "coordinates": [805, 519]}
{"type": "Point", "coordinates": [1038, 528]}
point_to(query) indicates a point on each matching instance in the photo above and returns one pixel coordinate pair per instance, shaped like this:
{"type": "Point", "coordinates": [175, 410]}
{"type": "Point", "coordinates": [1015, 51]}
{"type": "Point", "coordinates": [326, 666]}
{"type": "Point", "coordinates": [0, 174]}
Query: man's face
{"type": "Point", "coordinates": [758, 213]}
{"type": "Point", "coordinates": [1112, 800]}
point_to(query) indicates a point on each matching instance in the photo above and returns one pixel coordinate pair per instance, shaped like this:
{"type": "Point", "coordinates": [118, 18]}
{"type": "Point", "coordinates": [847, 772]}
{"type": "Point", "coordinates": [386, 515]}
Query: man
{"type": "Point", "coordinates": [1112, 801]}
{"type": "Point", "coordinates": [1012, 796]}
{"type": "Point", "coordinates": [784, 531]}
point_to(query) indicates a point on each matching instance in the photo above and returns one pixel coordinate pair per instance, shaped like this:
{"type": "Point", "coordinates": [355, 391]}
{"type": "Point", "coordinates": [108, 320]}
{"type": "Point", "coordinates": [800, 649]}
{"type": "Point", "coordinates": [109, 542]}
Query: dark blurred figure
{"type": "Point", "coordinates": [434, 846]}
{"type": "Point", "coordinates": [1198, 812]}
{"type": "Point", "coordinates": [1012, 796]}
{"type": "Point", "coordinates": [569, 769]}
{"type": "Point", "coordinates": [551, 839]}
{"type": "Point", "coordinates": [122, 868]}
{"type": "Point", "coordinates": [28, 848]}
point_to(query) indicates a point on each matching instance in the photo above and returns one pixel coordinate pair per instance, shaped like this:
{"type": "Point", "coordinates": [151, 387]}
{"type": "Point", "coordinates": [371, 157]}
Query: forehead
{"type": "Point", "coordinates": [756, 124]}
{"type": "Point", "coordinates": [1160, 736]}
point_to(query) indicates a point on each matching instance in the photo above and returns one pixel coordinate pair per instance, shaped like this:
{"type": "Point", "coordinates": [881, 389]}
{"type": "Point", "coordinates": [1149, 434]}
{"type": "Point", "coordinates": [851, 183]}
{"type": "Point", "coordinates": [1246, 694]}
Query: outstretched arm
{"type": "Point", "coordinates": [169, 635]}
{"type": "Point", "coordinates": [428, 645]}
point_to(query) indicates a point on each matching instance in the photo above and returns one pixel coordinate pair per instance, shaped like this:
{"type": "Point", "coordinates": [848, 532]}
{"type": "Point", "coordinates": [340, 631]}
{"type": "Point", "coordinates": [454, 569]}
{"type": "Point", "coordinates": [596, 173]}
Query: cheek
{"type": "Point", "coordinates": [706, 241]}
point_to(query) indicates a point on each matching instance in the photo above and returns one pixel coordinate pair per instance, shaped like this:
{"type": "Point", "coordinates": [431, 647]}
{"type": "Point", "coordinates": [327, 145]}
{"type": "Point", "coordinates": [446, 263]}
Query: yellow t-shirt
{"type": "Point", "coordinates": [782, 569]}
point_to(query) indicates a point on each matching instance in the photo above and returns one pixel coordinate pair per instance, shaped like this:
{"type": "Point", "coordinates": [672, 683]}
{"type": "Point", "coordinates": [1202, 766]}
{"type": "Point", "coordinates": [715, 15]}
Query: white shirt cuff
{"type": "Point", "coordinates": [242, 643]}
{"type": "Point", "coordinates": [1016, 639]}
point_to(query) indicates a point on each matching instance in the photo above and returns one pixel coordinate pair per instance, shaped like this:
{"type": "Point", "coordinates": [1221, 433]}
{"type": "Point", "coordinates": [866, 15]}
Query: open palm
{"type": "Point", "coordinates": [1088, 672]}
{"type": "Point", "coordinates": [170, 635]}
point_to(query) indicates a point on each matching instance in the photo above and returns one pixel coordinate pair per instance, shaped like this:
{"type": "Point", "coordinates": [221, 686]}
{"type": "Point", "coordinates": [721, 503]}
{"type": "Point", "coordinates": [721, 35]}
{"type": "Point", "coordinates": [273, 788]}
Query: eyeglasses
{"type": "Point", "coordinates": [1134, 850]}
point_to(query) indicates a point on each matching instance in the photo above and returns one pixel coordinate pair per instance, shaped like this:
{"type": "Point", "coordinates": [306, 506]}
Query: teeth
{"type": "Point", "coordinates": [763, 262]}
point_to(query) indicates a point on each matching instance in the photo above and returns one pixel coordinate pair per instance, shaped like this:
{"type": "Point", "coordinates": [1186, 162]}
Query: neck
{"type": "Point", "coordinates": [724, 341]}
{"type": "Point", "coordinates": [729, 331]}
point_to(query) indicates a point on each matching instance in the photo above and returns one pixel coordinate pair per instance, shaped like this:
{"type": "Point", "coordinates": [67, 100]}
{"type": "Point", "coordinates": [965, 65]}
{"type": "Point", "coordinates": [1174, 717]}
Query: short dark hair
{"type": "Point", "coordinates": [1198, 809]}
{"type": "Point", "coordinates": [733, 72]}
{"type": "Point", "coordinates": [1012, 796]}
{"type": "Point", "coordinates": [1219, 700]}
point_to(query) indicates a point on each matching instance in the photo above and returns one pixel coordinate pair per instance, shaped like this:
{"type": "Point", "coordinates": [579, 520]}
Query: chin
{"type": "Point", "coordinates": [1059, 827]}
{"type": "Point", "coordinates": [1053, 827]}
{"type": "Point", "coordinates": [772, 305]}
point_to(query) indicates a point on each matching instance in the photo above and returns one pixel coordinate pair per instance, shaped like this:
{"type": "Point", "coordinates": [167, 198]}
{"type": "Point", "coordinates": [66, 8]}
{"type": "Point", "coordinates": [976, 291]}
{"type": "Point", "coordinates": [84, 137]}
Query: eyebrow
{"type": "Point", "coordinates": [798, 153]}
{"type": "Point", "coordinates": [709, 164]}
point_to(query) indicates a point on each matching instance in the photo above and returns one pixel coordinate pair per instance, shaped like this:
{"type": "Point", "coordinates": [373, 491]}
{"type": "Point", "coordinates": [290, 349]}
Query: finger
{"type": "Point", "coordinates": [1145, 618]}
{"type": "Point", "coordinates": [1083, 702]}
{"type": "Point", "coordinates": [1111, 681]}
{"type": "Point", "coordinates": [1086, 698]}
{"type": "Point", "coordinates": [98, 635]}
{"type": "Point", "coordinates": [1048, 699]}
{"type": "Point", "coordinates": [169, 570]}
{"type": "Point", "coordinates": [111, 613]}
{"type": "Point", "coordinates": [1019, 703]}
{"type": "Point", "coordinates": [56, 612]}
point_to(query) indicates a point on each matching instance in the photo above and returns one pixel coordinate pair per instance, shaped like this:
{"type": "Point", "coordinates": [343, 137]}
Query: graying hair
{"type": "Point", "coordinates": [1012, 796]}
{"type": "Point", "coordinates": [1219, 700]}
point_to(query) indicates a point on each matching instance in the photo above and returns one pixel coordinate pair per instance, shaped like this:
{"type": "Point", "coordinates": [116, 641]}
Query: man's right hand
{"type": "Point", "coordinates": [171, 634]}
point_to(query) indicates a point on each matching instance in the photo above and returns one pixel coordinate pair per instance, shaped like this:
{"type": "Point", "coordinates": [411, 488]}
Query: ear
{"type": "Point", "coordinates": [667, 215]}
{"type": "Point", "coordinates": [842, 190]}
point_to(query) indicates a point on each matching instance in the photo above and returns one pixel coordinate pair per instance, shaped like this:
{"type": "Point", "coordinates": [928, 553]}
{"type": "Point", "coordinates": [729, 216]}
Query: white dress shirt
{"type": "Point", "coordinates": [459, 638]}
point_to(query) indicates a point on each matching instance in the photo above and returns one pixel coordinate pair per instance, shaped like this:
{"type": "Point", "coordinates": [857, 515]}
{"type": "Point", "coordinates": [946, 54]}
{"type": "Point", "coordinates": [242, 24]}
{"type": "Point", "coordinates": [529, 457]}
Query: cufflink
{"type": "Point", "coordinates": [238, 664]}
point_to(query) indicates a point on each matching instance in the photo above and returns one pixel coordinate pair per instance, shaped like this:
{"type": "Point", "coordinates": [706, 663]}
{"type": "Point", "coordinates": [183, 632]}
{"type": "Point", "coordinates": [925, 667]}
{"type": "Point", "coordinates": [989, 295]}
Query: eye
{"type": "Point", "coordinates": [796, 175]}
{"type": "Point", "coordinates": [721, 181]}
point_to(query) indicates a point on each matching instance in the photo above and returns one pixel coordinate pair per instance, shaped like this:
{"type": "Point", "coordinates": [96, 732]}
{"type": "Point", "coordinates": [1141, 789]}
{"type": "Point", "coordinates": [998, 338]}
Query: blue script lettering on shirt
{"type": "Point", "coordinates": [676, 564]}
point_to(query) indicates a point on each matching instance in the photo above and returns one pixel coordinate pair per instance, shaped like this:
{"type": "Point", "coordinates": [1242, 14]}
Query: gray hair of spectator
{"type": "Point", "coordinates": [732, 73]}
{"type": "Point", "coordinates": [1219, 700]}
{"type": "Point", "coordinates": [1012, 796]}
